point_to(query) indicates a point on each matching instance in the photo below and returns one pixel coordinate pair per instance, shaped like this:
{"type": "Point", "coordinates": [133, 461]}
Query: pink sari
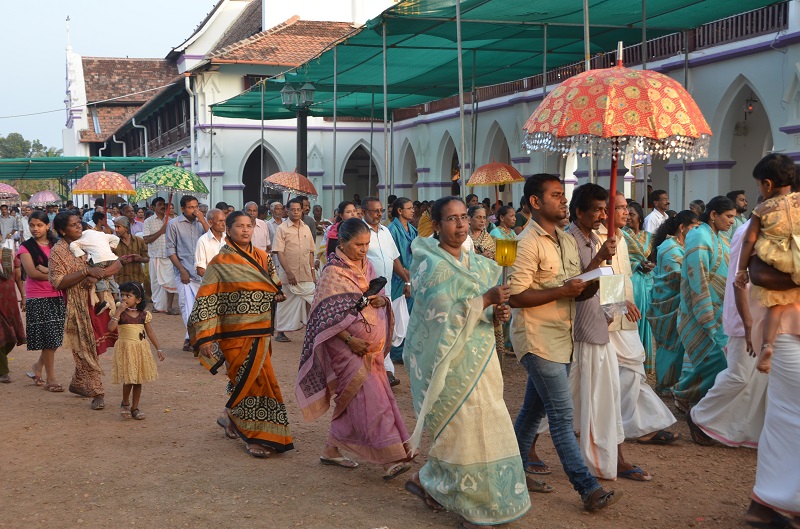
{"type": "Point", "coordinates": [366, 419]}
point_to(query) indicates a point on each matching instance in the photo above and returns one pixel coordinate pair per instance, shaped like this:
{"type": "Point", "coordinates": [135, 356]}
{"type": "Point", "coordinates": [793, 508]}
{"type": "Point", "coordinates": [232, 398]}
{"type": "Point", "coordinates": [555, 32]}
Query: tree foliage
{"type": "Point", "coordinates": [14, 145]}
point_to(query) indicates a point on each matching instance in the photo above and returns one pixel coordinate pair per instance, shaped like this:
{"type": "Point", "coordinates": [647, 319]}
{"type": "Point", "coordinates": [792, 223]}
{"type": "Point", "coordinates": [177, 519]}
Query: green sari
{"type": "Point", "coordinates": [474, 467]}
{"type": "Point", "coordinates": [640, 246]}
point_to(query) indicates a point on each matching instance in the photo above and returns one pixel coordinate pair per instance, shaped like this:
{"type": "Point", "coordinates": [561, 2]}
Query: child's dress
{"type": "Point", "coordinates": [778, 245]}
{"type": "Point", "coordinates": [133, 358]}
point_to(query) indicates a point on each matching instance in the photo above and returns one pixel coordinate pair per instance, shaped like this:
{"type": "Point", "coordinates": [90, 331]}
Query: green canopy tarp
{"type": "Point", "coordinates": [74, 167]}
{"type": "Point", "coordinates": [503, 39]}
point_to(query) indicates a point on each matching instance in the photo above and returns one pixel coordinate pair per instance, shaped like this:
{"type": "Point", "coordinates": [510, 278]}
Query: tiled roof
{"type": "Point", "coordinates": [110, 118]}
{"type": "Point", "coordinates": [247, 25]}
{"type": "Point", "coordinates": [109, 77]}
{"type": "Point", "coordinates": [291, 43]}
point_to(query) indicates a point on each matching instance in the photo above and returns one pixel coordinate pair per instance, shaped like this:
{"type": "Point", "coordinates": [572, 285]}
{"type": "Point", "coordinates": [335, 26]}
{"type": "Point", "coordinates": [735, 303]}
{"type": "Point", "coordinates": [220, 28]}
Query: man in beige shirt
{"type": "Point", "coordinates": [294, 248]}
{"type": "Point", "coordinates": [542, 299]}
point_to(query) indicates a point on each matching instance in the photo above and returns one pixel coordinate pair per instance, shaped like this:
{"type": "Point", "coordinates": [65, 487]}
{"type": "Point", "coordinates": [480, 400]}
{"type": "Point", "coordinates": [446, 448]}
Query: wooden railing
{"type": "Point", "coordinates": [738, 27]}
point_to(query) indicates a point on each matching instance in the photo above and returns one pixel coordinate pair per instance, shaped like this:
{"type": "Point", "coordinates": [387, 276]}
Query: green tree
{"type": "Point", "coordinates": [16, 146]}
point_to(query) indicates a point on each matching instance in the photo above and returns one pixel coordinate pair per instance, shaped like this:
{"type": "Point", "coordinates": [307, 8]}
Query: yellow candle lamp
{"type": "Point", "coordinates": [505, 251]}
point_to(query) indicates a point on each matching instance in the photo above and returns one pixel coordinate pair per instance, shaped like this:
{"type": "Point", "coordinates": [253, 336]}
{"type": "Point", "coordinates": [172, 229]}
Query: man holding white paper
{"type": "Point", "coordinates": [594, 376]}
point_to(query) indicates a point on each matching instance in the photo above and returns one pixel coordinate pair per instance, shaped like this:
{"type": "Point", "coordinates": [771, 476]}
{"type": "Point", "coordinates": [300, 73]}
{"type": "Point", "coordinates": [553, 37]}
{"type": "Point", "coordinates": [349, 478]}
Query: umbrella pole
{"type": "Point", "coordinates": [496, 195]}
{"type": "Point", "coordinates": [612, 198]}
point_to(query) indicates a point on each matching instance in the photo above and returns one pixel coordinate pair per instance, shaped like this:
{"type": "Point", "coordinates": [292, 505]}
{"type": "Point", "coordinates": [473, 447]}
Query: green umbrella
{"type": "Point", "coordinates": [143, 193]}
{"type": "Point", "coordinates": [173, 178]}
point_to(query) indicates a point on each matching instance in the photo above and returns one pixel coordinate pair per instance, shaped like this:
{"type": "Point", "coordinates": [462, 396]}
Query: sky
{"type": "Point", "coordinates": [34, 35]}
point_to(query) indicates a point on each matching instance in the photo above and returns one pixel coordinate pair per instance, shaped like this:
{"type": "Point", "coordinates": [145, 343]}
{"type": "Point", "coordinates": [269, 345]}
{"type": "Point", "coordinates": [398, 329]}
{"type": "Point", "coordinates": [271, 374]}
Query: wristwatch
{"type": "Point", "coordinates": [347, 340]}
{"type": "Point", "coordinates": [408, 283]}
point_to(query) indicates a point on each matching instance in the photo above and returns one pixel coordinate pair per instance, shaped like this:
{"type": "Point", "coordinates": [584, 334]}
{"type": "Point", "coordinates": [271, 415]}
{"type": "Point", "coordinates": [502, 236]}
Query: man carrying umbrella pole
{"type": "Point", "coordinates": [162, 277]}
{"type": "Point", "coordinates": [182, 236]}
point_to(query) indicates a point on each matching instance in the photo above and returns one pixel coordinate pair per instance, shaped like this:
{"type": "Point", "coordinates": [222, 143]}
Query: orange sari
{"type": "Point", "coordinates": [235, 310]}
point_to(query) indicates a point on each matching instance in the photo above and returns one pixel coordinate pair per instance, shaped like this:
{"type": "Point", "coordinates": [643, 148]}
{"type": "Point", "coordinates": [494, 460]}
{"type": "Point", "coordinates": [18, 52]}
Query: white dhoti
{"type": "Point", "coordinates": [159, 294]}
{"type": "Point", "coordinates": [186, 294]}
{"type": "Point", "coordinates": [732, 412]}
{"type": "Point", "coordinates": [164, 272]}
{"type": "Point", "coordinates": [642, 410]}
{"type": "Point", "coordinates": [778, 470]}
{"type": "Point", "coordinates": [292, 314]}
{"type": "Point", "coordinates": [594, 384]}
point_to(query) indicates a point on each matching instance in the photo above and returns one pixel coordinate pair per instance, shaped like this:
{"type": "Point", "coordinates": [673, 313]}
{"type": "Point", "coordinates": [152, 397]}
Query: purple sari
{"type": "Point", "coordinates": [366, 420]}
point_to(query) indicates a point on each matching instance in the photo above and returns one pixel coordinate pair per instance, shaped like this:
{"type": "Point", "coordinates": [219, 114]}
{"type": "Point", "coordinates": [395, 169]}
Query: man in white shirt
{"type": "Point", "coordinates": [385, 258]}
{"type": "Point", "coordinates": [656, 218]}
{"type": "Point", "coordinates": [261, 236]}
{"type": "Point", "coordinates": [162, 276]}
{"type": "Point", "coordinates": [25, 231]}
{"type": "Point", "coordinates": [209, 244]}
{"type": "Point", "coordinates": [276, 210]}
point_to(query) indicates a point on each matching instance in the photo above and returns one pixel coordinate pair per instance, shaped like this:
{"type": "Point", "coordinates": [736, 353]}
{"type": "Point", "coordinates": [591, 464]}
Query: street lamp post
{"type": "Point", "coordinates": [298, 101]}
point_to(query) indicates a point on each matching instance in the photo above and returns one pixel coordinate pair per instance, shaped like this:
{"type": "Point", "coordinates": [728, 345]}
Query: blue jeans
{"type": "Point", "coordinates": [548, 392]}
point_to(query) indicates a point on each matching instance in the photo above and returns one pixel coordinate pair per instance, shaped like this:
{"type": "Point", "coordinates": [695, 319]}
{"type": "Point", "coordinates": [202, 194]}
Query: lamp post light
{"type": "Point", "coordinates": [298, 101]}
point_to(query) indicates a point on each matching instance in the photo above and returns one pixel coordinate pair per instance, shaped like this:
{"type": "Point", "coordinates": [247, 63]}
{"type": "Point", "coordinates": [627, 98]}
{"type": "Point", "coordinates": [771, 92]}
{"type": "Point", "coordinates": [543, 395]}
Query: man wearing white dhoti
{"type": "Point", "coordinates": [294, 247]}
{"type": "Point", "coordinates": [162, 278]}
{"type": "Point", "coordinates": [183, 233]}
{"type": "Point", "coordinates": [385, 258]}
{"type": "Point", "coordinates": [732, 412]}
{"type": "Point", "coordinates": [644, 415]}
{"type": "Point", "coordinates": [777, 485]}
{"type": "Point", "coordinates": [594, 376]}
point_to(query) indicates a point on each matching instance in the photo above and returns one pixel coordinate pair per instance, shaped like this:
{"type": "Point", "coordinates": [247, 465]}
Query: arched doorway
{"type": "Point", "coordinates": [360, 175]}
{"type": "Point", "coordinates": [408, 174]}
{"type": "Point", "coordinates": [451, 168]}
{"type": "Point", "coordinates": [252, 177]}
{"type": "Point", "coordinates": [750, 139]}
{"type": "Point", "coordinates": [499, 152]}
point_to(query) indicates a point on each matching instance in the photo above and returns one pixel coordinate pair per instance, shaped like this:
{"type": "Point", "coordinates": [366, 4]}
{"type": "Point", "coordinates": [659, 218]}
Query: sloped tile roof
{"type": "Point", "coordinates": [110, 118]}
{"type": "Point", "coordinates": [291, 43]}
{"type": "Point", "coordinates": [110, 77]}
{"type": "Point", "coordinates": [247, 25]}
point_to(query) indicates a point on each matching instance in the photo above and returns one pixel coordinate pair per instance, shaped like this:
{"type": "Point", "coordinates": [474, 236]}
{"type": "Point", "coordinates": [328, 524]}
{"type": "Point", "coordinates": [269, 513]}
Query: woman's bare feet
{"type": "Point", "coordinates": [765, 359]}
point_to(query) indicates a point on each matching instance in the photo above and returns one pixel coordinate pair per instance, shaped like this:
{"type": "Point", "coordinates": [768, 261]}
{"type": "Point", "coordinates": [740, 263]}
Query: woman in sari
{"type": "Point", "coordinates": [484, 243]}
{"type": "Point", "coordinates": [231, 323]}
{"type": "Point", "coordinates": [507, 219]}
{"type": "Point", "coordinates": [85, 333]}
{"type": "Point", "coordinates": [640, 246]}
{"type": "Point", "coordinates": [330, 240]}
{"type": "Point", "coordinates": [662, 313]}
{"type": "Point", "coordinates": [703, 275]}
{"type": "Point", "coordinates": [456, 382]}
{"type": "Point", "coordinates": [12, 332]}
{"type": "Point", "coordinates": [403, 233]}
{"type": "Point", "coordinates": [342, 358]}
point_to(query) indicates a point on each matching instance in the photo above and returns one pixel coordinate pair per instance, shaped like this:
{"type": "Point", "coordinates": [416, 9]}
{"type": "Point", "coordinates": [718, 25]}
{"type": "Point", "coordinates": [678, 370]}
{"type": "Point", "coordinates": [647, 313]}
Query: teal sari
{"type": "Point", "coordinates": [639, 249]}
{"type": "Point", "coordinates": [703, 275]}
{"type": "Point", "coordinates": [474, 467]}
{"type": "Point", "coordinates": [662, 314]}
{"type": "Point", "coordinates": [403, 240]}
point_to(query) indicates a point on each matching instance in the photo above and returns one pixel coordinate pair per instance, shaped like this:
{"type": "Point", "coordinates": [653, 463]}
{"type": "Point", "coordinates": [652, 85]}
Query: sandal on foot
{"type": "Point", "coordinates": [98, 403]}
{"type": "Point", "coordinates": [698, 435]}
{"type": "Point", "coordinates": [282, 338]}
{"type": "Point", "coordinates": [344, 462]}
{"type": "Point", "coordinates": [36, 378]}
{"type": "Point", "coordinates": [541, 468]}
{"type": "Point", "coordinates": [633, 473]}
{"type": "Point", "coordinates": [230, 431]}
{"type": "Point", "coordinates": [5, 379]}
{"type": "Point", "coordinates": [778, 521]}
{"type": "Point", "coordinates": [125, 410]}
{"type": "Point", "coordinates": [534, 485]}
{"type": "Point", "coordinates": [661, 437]}
{"type": "Point", "coordinates": [54, 388]}
{"type": "Point", "coordinates": [173, 312]}
{"type": "Point", "coordinates": [419, 492]}
{"type": "Point", "coordinates": [136, 414]}
{"type": "Point", "coordinates": [78, 391]}
{"type": "Point", "coordinates": [600, 499]}
{"type": "Point", "coordinates": [395, 470]}
{"type": "Point", "coordinates": [256, 451]}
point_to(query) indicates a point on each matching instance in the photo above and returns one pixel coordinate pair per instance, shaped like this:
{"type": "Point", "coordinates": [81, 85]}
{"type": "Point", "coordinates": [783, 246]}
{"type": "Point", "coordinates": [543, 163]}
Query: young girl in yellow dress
{"type": "Point", "coordinates": [774, 233]}
{"type": "Point", "coordinates": [133, 359]}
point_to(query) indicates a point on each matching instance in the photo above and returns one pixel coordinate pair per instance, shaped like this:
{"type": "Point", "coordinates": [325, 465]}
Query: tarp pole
{"type": "Point", "coordinates": [462, 162]}
{"type": "Point", "coordinates": [544, 63]}
{"type": "Point", "coordinates": [474, 113]}
{"type": "Point", "coordinates": [371, 133]}
{"type": "Point", "coordinates": [391, 157]}
{"type": "Point", "coordinates": [335, 97]}
{"type": "Point", "coordinates": [686, 86]}
{"type": "Point", "coordinates": [385, 112]}
{"type": "Point", "coordinates": [211, 162]}
{"type": "Point", "coordinates": [261, 147]}
{"type": "Point", "coordinates": [587, 65]}
{"type": "Point", "coordinates": [644, 34]}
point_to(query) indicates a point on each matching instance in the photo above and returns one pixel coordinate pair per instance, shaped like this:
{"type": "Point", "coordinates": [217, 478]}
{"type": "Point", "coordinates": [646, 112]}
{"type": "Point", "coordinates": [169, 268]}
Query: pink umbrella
{"type": "Point", "coordinates": [7, 192]}
{"type": "Point", "coordinates": [44, 198]}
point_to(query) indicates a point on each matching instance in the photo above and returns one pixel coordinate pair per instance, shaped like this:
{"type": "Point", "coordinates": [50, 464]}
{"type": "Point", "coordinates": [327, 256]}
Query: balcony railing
{"type": "Point", "coordinates": [762, 21]}
{"type": "Point", "coordinates": [171, 138]}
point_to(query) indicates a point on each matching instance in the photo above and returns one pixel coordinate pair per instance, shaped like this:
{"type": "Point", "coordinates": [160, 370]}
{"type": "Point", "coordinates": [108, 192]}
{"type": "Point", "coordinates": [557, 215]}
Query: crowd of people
{"type": "Point", "coordinates": [417, 285]}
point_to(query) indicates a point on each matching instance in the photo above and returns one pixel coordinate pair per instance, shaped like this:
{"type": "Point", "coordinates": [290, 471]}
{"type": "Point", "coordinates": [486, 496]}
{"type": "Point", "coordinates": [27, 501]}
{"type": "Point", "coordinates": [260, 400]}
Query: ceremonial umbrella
{"type": "Point", "coordinates": [495, 174]}
{"type": "Point", "coordinates": [8, 193]}
{"type": "Point", "coordinates": [44, 198]}
{"type": "Point", "coordinates": [172, 178]}
{"type": "Point", "coordinates": [289, 182]}
{"type": "Point", "coordinates": [606, 111]}
{"type": "Point", "coordinates": [104, 183]}
{"type": "Point", "coordinates": [143, 193]}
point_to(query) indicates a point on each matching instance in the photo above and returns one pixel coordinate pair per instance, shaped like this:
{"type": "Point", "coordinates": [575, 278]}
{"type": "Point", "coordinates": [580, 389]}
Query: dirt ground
{"type": "Point", "coordinates": [64, 465]}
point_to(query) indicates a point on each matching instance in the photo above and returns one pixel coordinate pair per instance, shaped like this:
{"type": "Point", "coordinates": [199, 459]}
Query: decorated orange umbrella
{"type": "Point", "coordinates": [606, 111]}
{"type": "Point", "coordinates": [103, 183]}
{"type": "Point", "coordinates": [289, 182]}
{"type": "Point", "coordinates": [494, 174]}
